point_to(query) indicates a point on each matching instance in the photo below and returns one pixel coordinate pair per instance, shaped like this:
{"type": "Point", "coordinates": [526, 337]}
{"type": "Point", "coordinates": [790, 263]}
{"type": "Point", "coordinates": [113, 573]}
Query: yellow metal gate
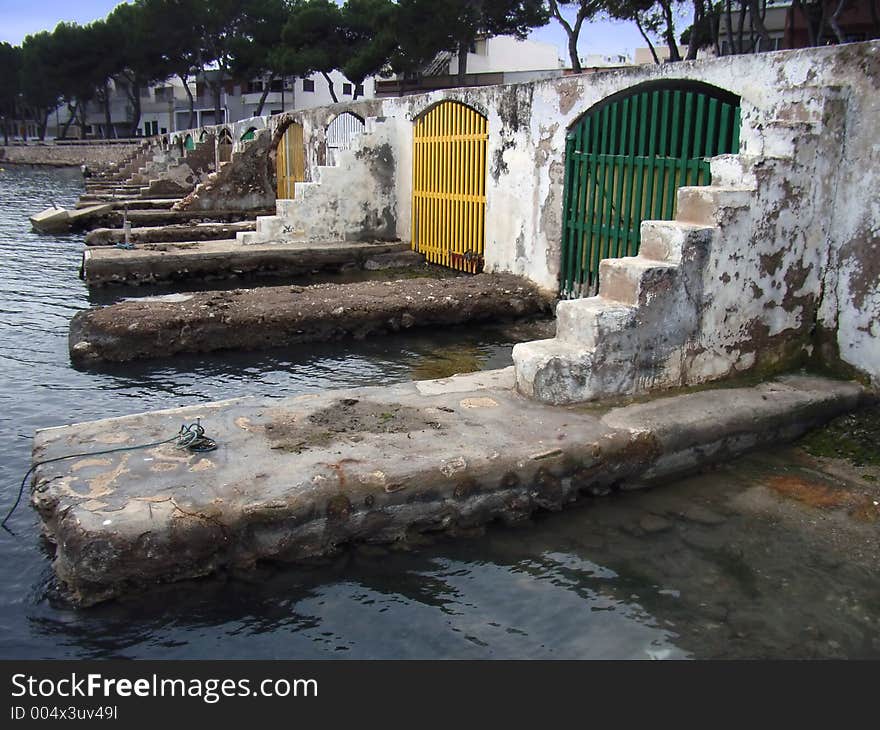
{"type": "Point", "coordinates": [289, 161]}
{"type": "Point", "coordinates": [449, 186]}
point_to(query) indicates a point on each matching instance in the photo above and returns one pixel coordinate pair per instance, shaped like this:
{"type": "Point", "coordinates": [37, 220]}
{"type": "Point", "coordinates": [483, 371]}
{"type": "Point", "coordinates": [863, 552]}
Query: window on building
{"type": "Point", "coordinates": [308, 85]}
{"type": "Point", "coordinates": [359, 90]}
{"type": "Point", "coordinates": [346, 89]}
{"type": "Point", "coordinates": [277, 85]}
{"type": "Point", "coordinates": [254, 87]}
{"type": "Point", "coordinates": [774, 45]}
{"type": "Point", "coordinates": [164, 93]}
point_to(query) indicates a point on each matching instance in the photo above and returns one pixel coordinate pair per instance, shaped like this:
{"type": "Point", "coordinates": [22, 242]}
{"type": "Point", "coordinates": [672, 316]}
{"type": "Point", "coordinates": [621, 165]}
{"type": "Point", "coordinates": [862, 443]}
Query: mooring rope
{"type": "Point", "coordinates": [192, 438]}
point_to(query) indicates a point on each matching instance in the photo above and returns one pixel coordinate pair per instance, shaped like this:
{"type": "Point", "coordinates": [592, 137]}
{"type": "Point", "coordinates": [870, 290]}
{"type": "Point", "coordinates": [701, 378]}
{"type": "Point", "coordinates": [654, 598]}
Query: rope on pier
{"type": "Point", "coordinates": [191, 437]}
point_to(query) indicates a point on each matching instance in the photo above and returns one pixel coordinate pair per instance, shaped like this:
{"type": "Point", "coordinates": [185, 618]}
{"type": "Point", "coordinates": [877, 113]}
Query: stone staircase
{"type": "Point", "coordinates": [684, 310]}
{"type": "Point", "coordinates": [343, 201]}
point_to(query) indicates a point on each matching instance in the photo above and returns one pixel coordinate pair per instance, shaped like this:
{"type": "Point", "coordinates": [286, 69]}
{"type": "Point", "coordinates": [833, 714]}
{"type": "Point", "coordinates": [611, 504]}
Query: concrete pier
{"type": "Point", "coordinates": [172, 233]}
{"type": "Point", "coordinates": [156, 263]}
{"type": "Point", "coordinates": [134, 204]}
{"type": "Point", "coordinates": [300, 477]}
{"type": "Point", "coordinates": [164, 217]}
{"type": "Point", "coordinates": [252, 319]}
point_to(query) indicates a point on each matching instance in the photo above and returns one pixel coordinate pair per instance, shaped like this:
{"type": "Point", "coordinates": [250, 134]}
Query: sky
{"type": "Point", "coordinates": [19, 18]}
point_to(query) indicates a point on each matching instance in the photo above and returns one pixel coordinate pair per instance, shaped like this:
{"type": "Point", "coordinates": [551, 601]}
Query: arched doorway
{"type": "Point", "coordinates": [341, 132]}
{"type": "Point", "coordinates": [188, 143]}
{"type": "Point", "coordinates": [224, 145]}
{"type": "Point", "coordinates": [289, 161]}
{"type": "Point", "coordinates": [449, 186]}
{"type": "Point", "coordinates": [624, 161]}
{"type": "Point", "coordinates": [249, 135]}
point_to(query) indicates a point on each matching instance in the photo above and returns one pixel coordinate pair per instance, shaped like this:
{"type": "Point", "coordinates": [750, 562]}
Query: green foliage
{"type": "Point", "coordinates": [146, 41]}
{"type": "Point", "coordinates": [10, 84]}
{"type": "Point", "coordinates": [175, 26]}
{"type": "Point", "coordinates": [313, 38]}
{"type": "Point", "coordinates": [258, 35]}
{"type": "Point", "coordinates": [428, 26]}
{"type": "Point", "coordinates": [40, 87]}
{"type": "Point", "coordinates": [370, 27]}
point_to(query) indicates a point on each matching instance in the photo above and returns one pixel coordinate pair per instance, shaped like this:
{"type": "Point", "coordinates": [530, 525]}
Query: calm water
{"type": "Point", "coordinates": [633, 576]}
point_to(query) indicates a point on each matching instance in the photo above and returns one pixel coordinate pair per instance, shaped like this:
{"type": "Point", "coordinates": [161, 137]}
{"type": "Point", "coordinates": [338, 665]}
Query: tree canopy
{"type": "Point", "coordinates": [143, 42]}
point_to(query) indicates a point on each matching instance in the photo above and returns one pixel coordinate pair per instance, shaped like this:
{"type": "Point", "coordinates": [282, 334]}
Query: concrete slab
{"type": "Point", "coordinates": [51, 220]}
{"type": "Point", "coordinates": [136, 204]}
{"type": "Point", "coordinates": [78, 215]}
{"type": "Point", "coordinates": [252, 319]}
{"type": "Point", "coordinates": [164, 217]}
{"type": "Point", "coordinates": [58, 220]}
{"type": "Point", "coordinates": [195, 260]}
{"type": "Point", "coordinates": [179, 232]}
{"type": "Point", "coordinates": [299, 477]}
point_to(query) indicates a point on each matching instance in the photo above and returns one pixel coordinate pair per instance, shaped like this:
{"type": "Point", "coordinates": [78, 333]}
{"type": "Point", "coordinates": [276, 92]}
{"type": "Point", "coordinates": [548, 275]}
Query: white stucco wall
{"type": "Point", "coordinates": [507, 53]}
{"type": "Point", "coordinates": [321, 95]}
{"type": "Point", "coordinates": [810, 237]}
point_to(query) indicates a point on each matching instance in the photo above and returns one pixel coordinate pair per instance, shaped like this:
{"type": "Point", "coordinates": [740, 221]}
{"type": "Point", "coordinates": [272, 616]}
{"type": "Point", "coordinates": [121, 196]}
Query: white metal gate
{"type": "Point", "coordinates": [341, 132]}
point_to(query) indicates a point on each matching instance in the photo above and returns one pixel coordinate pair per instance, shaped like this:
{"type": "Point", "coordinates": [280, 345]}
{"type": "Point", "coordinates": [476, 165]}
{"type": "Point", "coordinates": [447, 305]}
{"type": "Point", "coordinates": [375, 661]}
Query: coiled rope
{"type": "Point", "coordinates": [191, 437]}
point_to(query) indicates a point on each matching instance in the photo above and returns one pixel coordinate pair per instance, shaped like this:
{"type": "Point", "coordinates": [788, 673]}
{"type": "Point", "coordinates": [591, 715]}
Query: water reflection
{"type": "Point", "coordinates": [704, 567]}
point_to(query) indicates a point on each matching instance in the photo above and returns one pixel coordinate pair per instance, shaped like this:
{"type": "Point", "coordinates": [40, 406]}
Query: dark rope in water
{"type": "Point", "coordinates": [192, 438]}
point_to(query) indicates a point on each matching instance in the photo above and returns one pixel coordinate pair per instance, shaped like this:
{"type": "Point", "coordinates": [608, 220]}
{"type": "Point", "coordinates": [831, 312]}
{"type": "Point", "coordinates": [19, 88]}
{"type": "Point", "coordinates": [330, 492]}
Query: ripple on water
{"type": "Point", "coordinates": [585, 583]}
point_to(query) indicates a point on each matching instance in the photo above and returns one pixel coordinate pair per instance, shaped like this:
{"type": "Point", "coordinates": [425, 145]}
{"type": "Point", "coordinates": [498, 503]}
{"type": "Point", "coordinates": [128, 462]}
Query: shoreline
{"type": "Point", "coordinates": [60, 156]}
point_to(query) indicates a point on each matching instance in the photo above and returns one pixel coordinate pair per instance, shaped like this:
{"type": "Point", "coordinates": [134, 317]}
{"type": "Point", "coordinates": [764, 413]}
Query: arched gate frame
{"type": "Point", "coordinates": [341, 132]}
{"type": "Point", "coordinates": [624, 161]}
{"type": "Point", "coordinates": [449, 186]}
{"type": "Point", "coordinates": [289, 161]}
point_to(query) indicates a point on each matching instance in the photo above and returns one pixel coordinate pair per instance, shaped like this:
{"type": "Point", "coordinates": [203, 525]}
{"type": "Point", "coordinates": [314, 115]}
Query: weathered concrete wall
{"type": "Point", "coordinates": [356, 200]}
{"type": "Point", "coordinates": [798, 258]}
{"type": "Point", "coordinates": [752, 291]}
{"type": "Point", "coordinates": [97, 156]}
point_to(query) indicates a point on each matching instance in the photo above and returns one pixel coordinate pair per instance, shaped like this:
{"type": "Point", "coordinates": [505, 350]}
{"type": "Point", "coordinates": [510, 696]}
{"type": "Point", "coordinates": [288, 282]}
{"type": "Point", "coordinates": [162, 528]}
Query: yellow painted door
{"type": "Point", "coordinates": [449, 186]}
{"type": "Point", "coordinates": [289, 161]}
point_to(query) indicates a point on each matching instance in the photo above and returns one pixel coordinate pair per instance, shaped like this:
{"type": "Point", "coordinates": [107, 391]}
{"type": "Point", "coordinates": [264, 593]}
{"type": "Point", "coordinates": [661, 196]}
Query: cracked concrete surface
{"type": "Point", "coordinates": [295, 478]}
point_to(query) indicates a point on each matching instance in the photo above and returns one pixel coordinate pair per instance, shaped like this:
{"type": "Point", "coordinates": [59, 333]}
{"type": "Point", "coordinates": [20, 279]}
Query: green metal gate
{"type": "Point", "coordinates": [624, 161]}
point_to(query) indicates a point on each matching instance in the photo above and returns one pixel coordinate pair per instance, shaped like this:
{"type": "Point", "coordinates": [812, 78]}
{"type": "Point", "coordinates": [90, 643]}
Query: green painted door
{"type": "Point", "coordinates": [624, 161]}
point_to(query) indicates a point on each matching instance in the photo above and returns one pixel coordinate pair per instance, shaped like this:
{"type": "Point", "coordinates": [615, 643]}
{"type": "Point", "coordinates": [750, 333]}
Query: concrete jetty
{"type": "Point", "coordinates": [112, 215]}
{"type": "Point", "coordinates": [188, 261]}
{"type": "Point", "coordinates": [299, 477]}
{"type": "Point", "coordinates": [134, 203]}
{"type": "Point", "coordinates": [171, 233]}
{"type": "Point", "coordinates": [164, 217]}
{"type": "Point", "coordinates": [253, 319]}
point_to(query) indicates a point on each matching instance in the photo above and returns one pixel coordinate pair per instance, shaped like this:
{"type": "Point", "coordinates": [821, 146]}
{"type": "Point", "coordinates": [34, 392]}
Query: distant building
{"type": "Point", "coordinates": [788, 28]}
{"type": "Point", "coordinates": [165, 106]}
{"type": "Point", "coordinates": [643, 55]}
{"type": "Point", "coordinates": [599, 60]}
{"type": "Point", "coordinates": [495, 60]}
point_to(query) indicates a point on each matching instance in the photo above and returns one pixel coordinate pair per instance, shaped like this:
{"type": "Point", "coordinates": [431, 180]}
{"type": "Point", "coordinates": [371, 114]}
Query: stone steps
{"type": "Point", "coordinates": [633, 336]}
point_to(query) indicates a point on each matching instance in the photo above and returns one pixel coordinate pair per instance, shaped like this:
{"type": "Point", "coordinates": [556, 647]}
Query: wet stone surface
{"type": "Point", "coordinates": [741, 572]}
{"type": "Point", "coordinates": [347, 416]}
